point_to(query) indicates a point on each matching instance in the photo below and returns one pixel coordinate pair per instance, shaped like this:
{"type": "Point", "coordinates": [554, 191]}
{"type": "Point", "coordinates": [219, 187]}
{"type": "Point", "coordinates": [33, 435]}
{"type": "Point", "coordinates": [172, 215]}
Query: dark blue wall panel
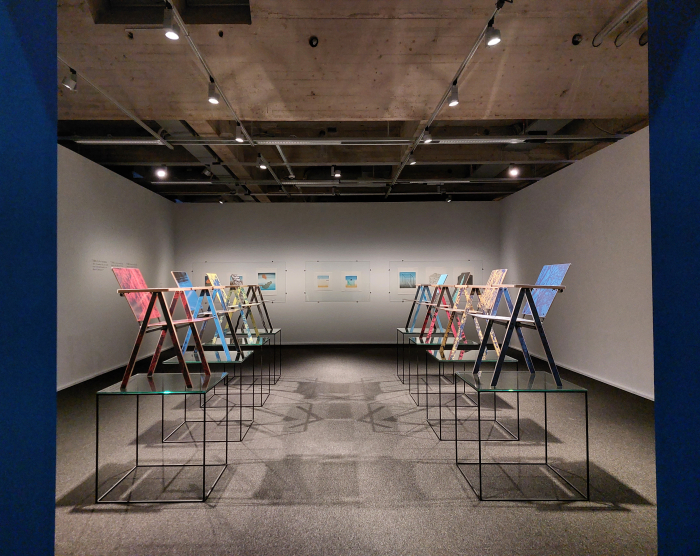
{"type": "Point", "coordinates": [674, 100]}
{"type": "Point", "coordinates": [28, 276]}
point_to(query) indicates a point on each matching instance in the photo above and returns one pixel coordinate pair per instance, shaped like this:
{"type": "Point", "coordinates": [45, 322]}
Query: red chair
{"type": "Point", "coordinates": [142, 301]}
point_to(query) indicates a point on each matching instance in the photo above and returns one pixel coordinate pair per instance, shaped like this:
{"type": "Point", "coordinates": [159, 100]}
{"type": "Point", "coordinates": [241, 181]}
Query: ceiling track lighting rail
{"type": "Point", "coordinates": [126, 111]}
{"type": "Point", "coordinates": [349, 184]}
{"type": "Point", "coordinates": [183, 28]}
{"type": "Point", "coordinates": [461, 162]}
{"type": "Point", "coordinates": [616, 22]}
{"type": "Point", "coordinates": [447, 93]}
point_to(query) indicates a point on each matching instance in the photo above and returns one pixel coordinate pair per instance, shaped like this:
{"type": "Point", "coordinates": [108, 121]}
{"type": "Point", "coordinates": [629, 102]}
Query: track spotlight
{"type": "Point", "coordinates": [448, 198]}
{"type": "Point", "coordinates": [513, 171]}
{"type": "Point", "coordinates": [493, 35]}
{"type": "Point", "coordinates": [335, 172]}
{"type": "Point", "coordinates": [172, 31]}
{"type": "Point", "coordinates": [239, 133]}
{"type": "Point", "coordinates": [221, 201]}
{"type": "Point", "coordinates": [427, 137]}
{"type": "Point", "coordinates": [71, 81]}
{"type": "Point", "coordinates": [207, 172]}
{"type": "Point", "coordinates": [454, 95]}
{"type": "Point", "coordinates": [411, 160]}
{"type": "Point", "coordinates": [162, 172]}
{"type": "Point", "coordinates": [261, 162]}
{"type": "Point", "coordinates": [214, 95]}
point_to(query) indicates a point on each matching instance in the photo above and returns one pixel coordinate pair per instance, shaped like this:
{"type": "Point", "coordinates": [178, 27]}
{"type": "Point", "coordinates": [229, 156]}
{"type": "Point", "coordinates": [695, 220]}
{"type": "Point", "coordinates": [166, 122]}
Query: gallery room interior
{"type": "Point", "coordinates": [350, 277]}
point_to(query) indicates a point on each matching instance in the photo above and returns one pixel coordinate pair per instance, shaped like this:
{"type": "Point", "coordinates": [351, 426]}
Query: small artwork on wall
{"type": "Point", "coordinates": [407, 280]}
{"type": "Point", "coordinates": [267, 281]}
{"type": "Point", "coordinates": [323, 281]}
{"type": "Point", "coordinates": [351, 282]}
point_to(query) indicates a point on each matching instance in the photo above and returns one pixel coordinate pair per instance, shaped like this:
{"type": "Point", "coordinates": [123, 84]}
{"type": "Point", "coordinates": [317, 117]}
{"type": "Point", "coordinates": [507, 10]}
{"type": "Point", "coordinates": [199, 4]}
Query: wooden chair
{"type": "Point", "coordinates": [534, 300]}
{"type": "Point", "coordinates": [196, 303]}
{"type": "Point", "coordinates": [478, 300]}
{"type": "Point", "coordinates": [423, 297]}
{"type": "Point", "coordinates": [142, 301]}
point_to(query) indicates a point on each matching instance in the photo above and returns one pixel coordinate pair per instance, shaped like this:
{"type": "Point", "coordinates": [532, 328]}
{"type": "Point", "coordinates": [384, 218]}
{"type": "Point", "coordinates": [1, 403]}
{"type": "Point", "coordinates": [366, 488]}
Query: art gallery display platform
{"type": "Point", "coordinates": [157, 472]}
{"type": "Point", "coordinates": [549, 462]}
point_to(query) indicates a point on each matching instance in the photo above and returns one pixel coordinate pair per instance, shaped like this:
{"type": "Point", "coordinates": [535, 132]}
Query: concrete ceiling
{"type": "Point", "coordinates": [379, 70]}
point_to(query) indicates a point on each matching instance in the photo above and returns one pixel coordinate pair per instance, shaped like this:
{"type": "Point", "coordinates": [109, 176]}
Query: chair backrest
{"type": "Point", "coordinates": [487, 299]}
{"type": "Point", "coordinates": [183, 281]}
{"type": "Point", "coordinates": [132, 279]}
{"type": "Point", "coordinates": [212, 279]}
{"type": "Point", "coordinates": [236, 280]}
{"type": "Point", "coordinates": [441, 280]}
{"type": "Point", "coordinates": [551, 275]}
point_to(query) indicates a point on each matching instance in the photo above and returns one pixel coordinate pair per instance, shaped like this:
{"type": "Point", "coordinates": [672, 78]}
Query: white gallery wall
{"type": "Point", "coordinates": [595, 215]}
{"type": "Point", "coordinates": [104, 220]}
{"type": "Point", "coordinates": [299, 232]}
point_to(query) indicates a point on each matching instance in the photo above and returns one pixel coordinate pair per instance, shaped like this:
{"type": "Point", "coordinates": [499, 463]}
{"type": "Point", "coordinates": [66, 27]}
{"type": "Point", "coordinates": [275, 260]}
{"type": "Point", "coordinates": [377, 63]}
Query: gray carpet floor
{"type": "Point", "coordinates": [340, 461]}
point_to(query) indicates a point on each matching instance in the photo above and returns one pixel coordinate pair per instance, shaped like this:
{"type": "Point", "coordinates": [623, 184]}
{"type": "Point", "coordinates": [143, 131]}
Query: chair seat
{"type": "Point", "coordinates": [527, 323]}
{"type": "Point", "coordinates": [180, 322]}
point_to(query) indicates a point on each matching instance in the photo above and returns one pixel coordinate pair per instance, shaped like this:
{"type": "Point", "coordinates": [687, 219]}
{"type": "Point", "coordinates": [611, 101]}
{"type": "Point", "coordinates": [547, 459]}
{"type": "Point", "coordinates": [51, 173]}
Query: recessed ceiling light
{"type": "Point", "coordinates": [162, 172]}
{"type": "Point", "coordinates": [513, 171]}
{"type": "Point", "coordinates": [71, 81]}
{"type": "Point", "coordinates": [454, 95]}
{"type": "Point", "coordinates": [172, 31]}
{"type": "Point", "coordinates": [239, 134]}
{"type": "Point", "coordinates": [214, 95]}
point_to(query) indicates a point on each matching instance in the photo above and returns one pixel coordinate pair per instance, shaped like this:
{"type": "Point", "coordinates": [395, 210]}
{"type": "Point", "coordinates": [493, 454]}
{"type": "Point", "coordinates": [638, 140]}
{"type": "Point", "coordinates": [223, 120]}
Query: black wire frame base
{"type": "Point", "coordinates": [557, 476]}
{"type": "Point", "coordinates": [578, 497]}
{"type": "Point", "coordinates": [205, 492]}
{"type": "Point", "coordinates": [100, 498]}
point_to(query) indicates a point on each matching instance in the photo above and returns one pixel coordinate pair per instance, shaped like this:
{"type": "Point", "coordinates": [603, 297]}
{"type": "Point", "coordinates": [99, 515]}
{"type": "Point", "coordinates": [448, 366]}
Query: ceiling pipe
{"type": "Point", "coordinates": [350, 183]}
{"type": "Point", "coordinates": [355, 142]}
{"type": "Point", "coordinates": [446, 94]}
{"type": "Point", "coordinates": [207, 69]}
{"type": "Point", "coordinates": [631, 30]}
{"type": "Point", "coordinates": [346, 193]}
{"type": "Point", "coordinates": [274, 175]}
{"type": "Point", "coordinates": [463, 162]}
{"type": "Point", "coordinates": [616, 22]}
{"type": "Point", "coordinates": [126, 111]}
{"type": "Point", "coordinates": [284, 160]}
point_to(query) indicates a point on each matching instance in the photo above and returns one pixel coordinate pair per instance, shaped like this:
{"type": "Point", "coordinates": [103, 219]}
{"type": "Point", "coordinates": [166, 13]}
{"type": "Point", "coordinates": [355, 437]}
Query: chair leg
{"type": "Point", "coordinates": [543, 338]}
{"type": "Point", "coordinates": [512, 324]}
{"type": "Point", "coordinates": [139, 338]}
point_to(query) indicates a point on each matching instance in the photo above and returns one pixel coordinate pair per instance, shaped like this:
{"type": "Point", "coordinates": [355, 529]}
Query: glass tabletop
{"type": "Point", "coordinates": [245, 341]}
{"type": "Point", "coordinates": [165, 383]}
{"type": "Point", "coordinates": [462, 356]}
{"type": "Point", "coordinates": [514, 381]}
{"type": "Point", "coordinates": [212, 357]}
{"type": "Point", "coordinates": [437, 340]}
{"type": "Point", "coordinates": [261, 331]}
{"type": "Point", "coordinates": [416, 330]}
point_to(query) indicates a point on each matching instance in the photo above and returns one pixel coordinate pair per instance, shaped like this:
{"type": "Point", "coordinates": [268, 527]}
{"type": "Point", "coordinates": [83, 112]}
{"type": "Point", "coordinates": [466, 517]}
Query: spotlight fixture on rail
{"type": "Point", "coordinates": [239, 134]}
{"type": "Point", "coordinates": [492, 35]}
{"type": "Point", "coordinates": [454, 95]}
{"type": "Point", "coordinates": [513, 171]}
{"type": "Point", "coordinates": [214, 96]}
{"type": "Point", "coordinates": [162, 173]}
{"type": "Point", "coordinates": [261, 163]}
{"type": "Point", "coordinates": [172, 31]}
{"type": "Point", "coordinates": [448, 199]}
{"type": "Point", "coordinates": [335, 172]}
{"type": "Point", "coordinates": [70, 81]}
{"type": "Point", "coordinates": [221, 200]}
{"type": "Point", "coordinates": [427, 138]}
{"type": "Point", "coordinates": [411, 160]}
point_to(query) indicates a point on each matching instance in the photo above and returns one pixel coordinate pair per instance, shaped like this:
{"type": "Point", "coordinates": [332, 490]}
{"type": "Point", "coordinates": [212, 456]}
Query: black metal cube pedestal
{"type": "Point", "coordinates": [136, 475]}
{"type": "Point", "coordinates": [541, 465]}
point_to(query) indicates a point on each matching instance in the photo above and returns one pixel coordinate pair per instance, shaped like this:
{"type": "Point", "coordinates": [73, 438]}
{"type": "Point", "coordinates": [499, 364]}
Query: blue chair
{"type": "Point", "coordinates": [534, 301]}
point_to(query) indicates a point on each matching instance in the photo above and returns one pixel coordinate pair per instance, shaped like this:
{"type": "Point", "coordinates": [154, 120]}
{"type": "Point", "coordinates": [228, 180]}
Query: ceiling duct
{"type": "Point", "coordinates": [616, 22]}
